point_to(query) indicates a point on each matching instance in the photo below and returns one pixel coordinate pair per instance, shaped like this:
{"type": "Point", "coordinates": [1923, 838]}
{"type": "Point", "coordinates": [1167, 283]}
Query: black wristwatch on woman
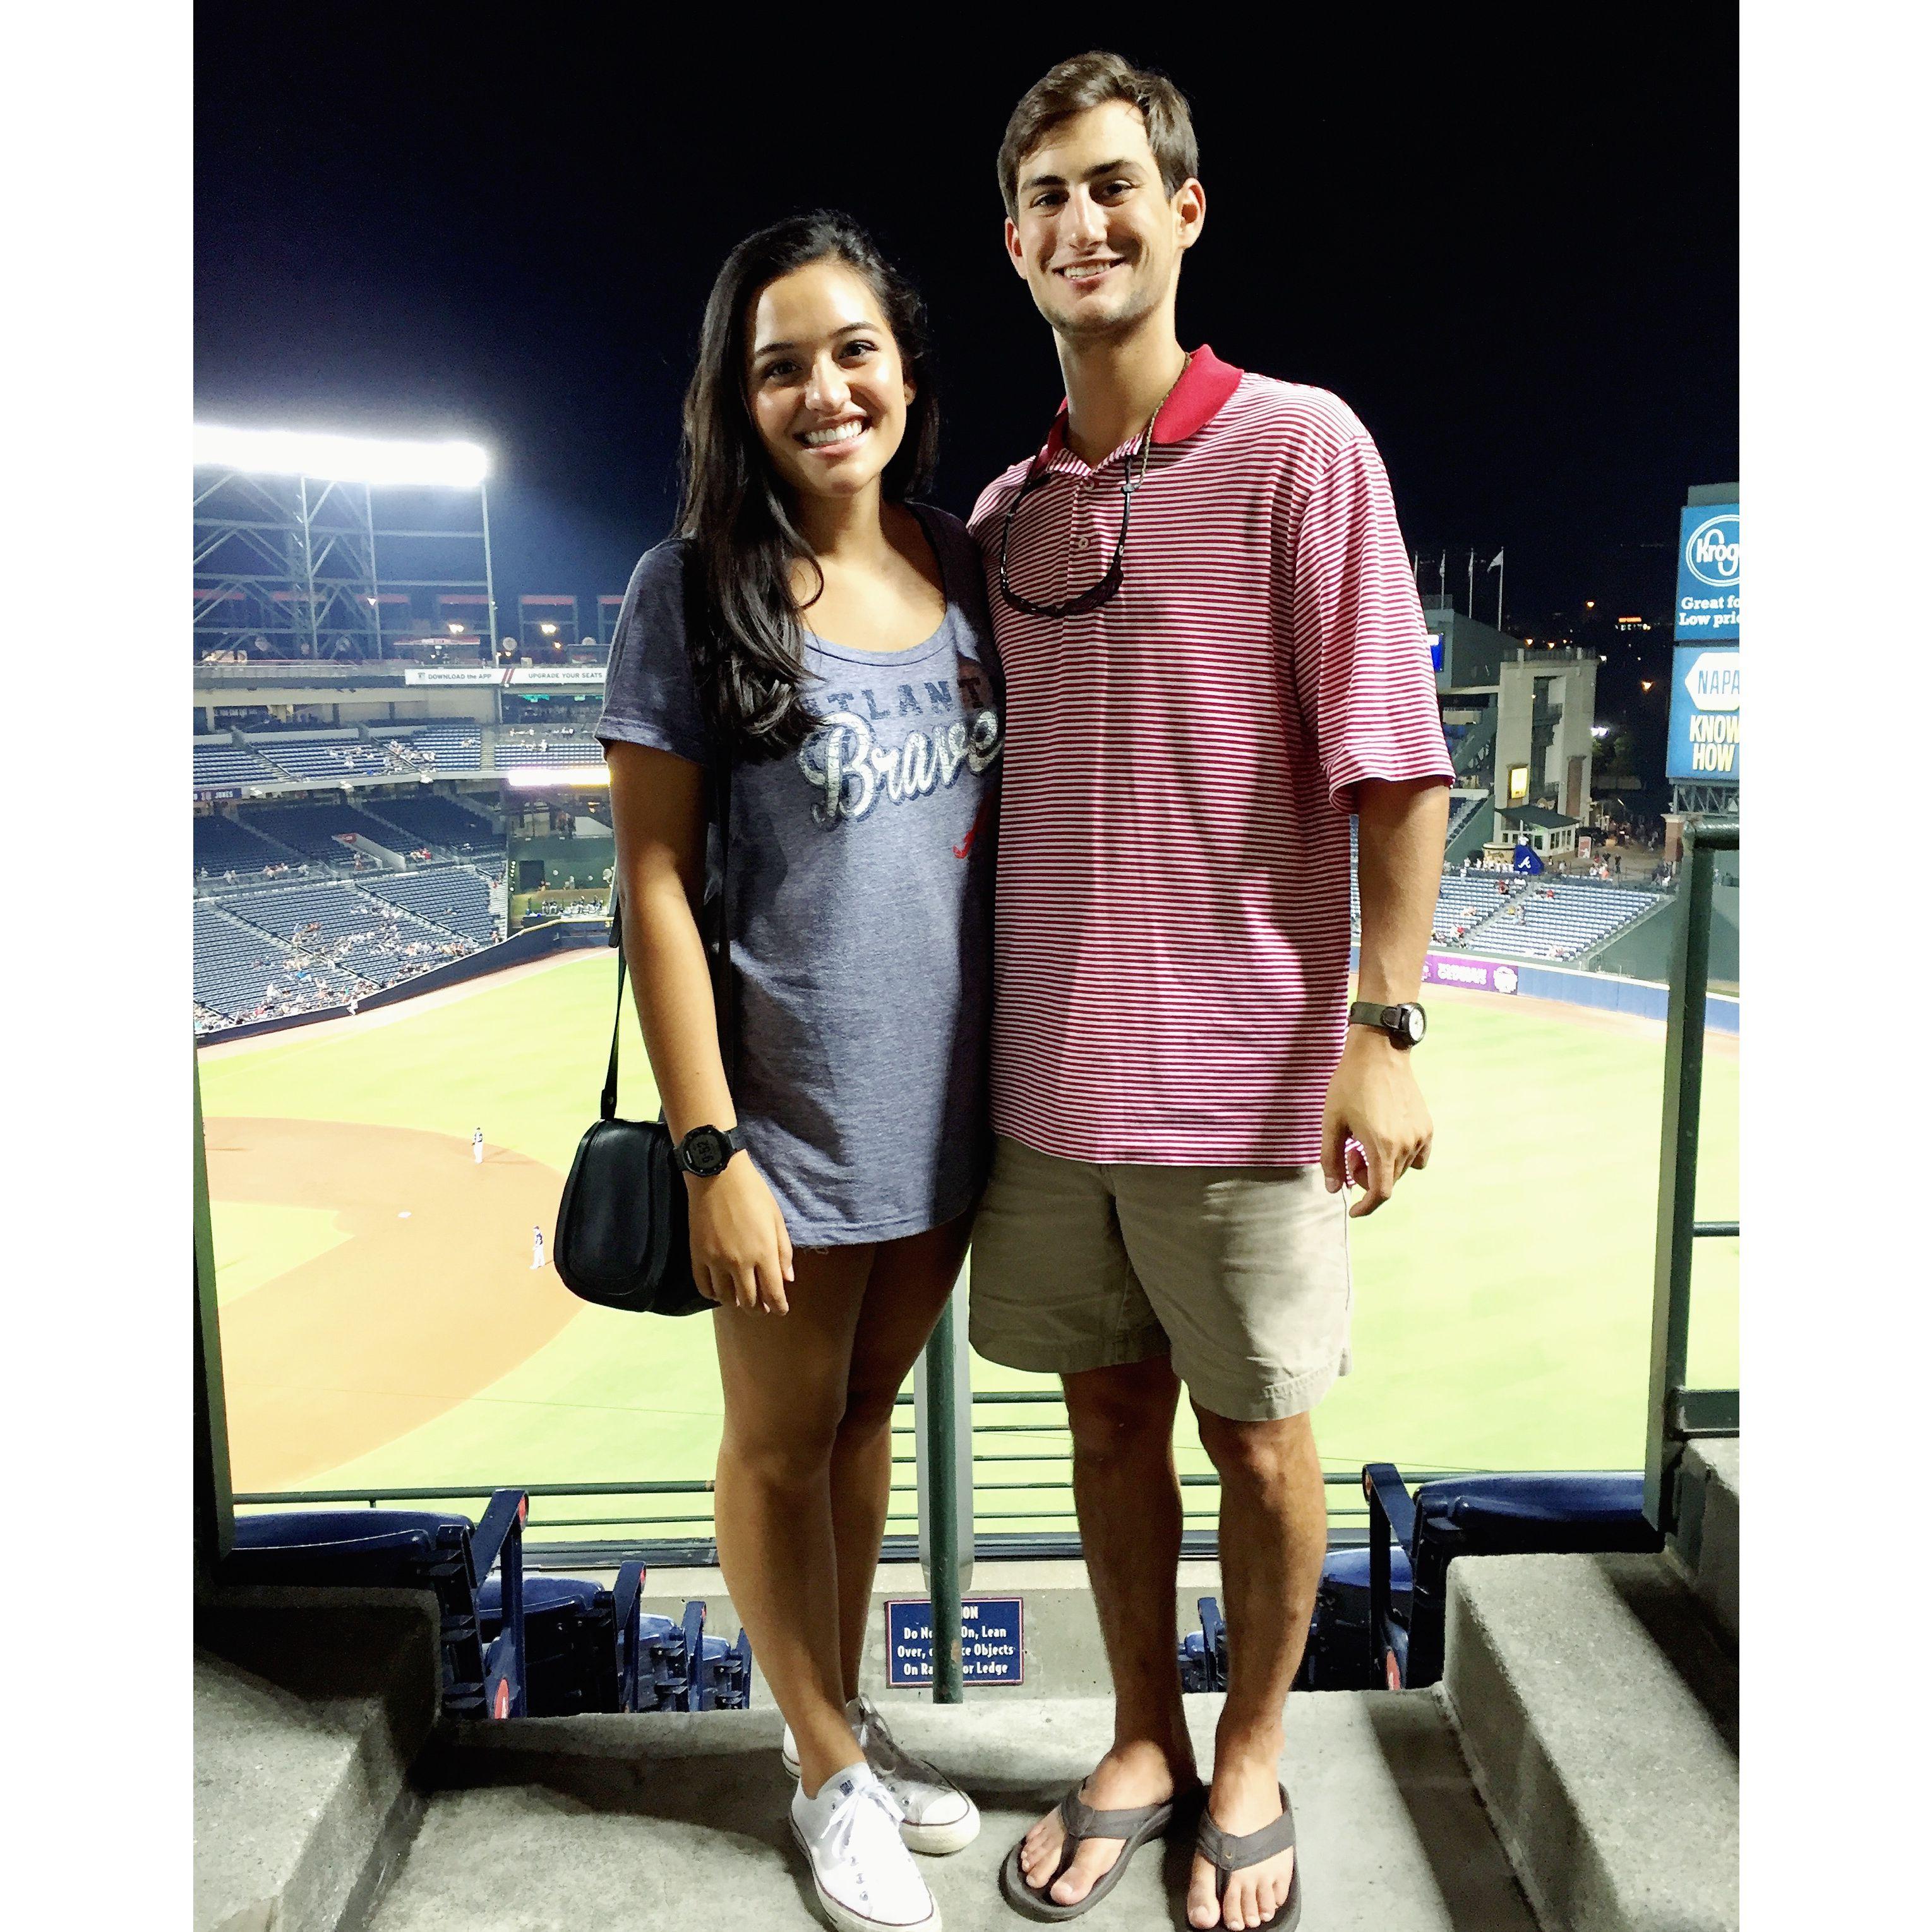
{"type": "Point", "coordinates": [1405, 1024]}
{"type": "Point", "coordinates": [705, 1151]}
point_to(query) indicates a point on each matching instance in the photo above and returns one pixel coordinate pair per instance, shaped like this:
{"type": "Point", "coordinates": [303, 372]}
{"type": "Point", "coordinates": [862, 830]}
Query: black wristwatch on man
{"type": "Point", "coordinates": [1405, 1024]}
{"type": "Point", "coordinates": [706, 1151]}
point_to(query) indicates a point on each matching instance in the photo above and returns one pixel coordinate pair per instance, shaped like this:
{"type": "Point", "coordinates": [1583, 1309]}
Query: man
{"type": "Point", "coordinates": [1193, 713]}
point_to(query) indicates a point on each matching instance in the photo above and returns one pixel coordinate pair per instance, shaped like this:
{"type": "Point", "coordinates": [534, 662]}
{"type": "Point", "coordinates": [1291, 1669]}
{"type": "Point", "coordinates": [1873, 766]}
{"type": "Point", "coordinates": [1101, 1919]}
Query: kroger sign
{"type": "Point", "coordinates": [1709, 571]}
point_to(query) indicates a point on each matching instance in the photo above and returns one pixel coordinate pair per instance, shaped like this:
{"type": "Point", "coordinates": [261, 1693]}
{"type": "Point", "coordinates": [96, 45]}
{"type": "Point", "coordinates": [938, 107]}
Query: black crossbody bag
{"type": "Point", "coordinates": [623, 1229]}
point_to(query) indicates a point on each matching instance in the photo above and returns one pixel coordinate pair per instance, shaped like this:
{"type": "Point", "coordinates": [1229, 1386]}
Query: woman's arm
{"type": "Point", "coordinates": [739, 1248]}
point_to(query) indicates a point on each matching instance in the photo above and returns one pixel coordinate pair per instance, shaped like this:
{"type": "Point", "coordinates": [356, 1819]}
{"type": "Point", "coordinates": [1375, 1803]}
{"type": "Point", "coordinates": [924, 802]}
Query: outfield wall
{"type": "Point", "coordinates": [1647, 999]}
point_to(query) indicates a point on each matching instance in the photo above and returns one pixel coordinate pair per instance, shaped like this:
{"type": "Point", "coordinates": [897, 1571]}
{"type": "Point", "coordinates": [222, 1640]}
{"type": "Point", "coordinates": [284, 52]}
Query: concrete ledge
{"type": "Point", "coordinates": [662, 1821]}
{"type": "Point", "coordinates": [1705, 1543]}
{"type": "Point", "coordinates": [1597, 1710]}
{"type": "Point", "coordinates": [309, 1707]}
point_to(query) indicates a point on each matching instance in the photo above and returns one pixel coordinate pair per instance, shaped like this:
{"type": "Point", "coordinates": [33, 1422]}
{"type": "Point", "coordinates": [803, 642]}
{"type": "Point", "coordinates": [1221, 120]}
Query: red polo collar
{"type": "Point", "coordinates": [1205, 384]}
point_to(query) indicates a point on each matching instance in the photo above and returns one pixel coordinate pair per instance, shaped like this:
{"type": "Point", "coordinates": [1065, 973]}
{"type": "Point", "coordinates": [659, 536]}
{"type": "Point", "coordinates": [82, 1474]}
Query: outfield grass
{"type": "Point", "coordinates": [1501, 1299]}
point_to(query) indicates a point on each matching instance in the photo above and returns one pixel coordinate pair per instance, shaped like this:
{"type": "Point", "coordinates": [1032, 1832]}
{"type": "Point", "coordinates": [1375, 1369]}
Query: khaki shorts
{"type": "Point", "coordinates": [1239, 1274]}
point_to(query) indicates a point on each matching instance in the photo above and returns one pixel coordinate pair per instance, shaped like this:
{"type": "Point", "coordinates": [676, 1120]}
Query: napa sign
{"type": "Point", "coordinates": [1706, 702]}
{"type": "Point", "coordinates": [1709, 569]}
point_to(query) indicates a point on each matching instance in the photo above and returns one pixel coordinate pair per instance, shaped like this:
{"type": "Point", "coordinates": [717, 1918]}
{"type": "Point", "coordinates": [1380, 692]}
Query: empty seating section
{"type": "Point", "coordinates": [1462, 810]}
{"type": "Point", "coordinates": [219, 762]}
{"type": "Point", "coordinates": [339, 912]}
{"type": "Point", "coordinates": [312, 828]}
{"type": "Point", "coordinates": [532, 747]}
{"type": "Point", "coordinates": [434, 821]}
{"type": "Point", "coordinates": [345, 757]}
{"type": "Point", "coordinates": [222, 845]}
{"type": "Point", "coordinates": [1461, 902]}
{"type": "Point", "coordinates": [1573, 919]}
{"type": "Point", "coordinates": [449, 748]}
{"type": "Point", "coordinates": [234, 968]}
{"type": "Point", "coordinates": [454, 898]}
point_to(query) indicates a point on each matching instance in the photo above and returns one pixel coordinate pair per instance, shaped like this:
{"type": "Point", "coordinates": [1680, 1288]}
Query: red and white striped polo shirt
{"type": "Point", "coordinates": [1171, 938]}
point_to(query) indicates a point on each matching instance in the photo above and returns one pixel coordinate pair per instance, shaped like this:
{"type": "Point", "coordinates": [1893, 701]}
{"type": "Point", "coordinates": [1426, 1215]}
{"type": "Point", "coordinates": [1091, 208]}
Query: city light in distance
{"type": "Point", "coordinates": [341, 459]}
{"type": "Point", "coordinates": [1647, 683]}
{"type": "Point", "coordinates": [548, 630]}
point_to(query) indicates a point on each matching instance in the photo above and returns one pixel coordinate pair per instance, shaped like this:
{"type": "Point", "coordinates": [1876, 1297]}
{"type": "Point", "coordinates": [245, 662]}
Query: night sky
{"type": "Point", "coordinates": [1513, 250]}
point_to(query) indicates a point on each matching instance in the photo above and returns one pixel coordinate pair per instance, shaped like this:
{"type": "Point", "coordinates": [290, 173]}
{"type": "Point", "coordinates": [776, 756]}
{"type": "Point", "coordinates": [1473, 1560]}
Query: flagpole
{"type": "Point", "coordinates": [1499, 589]}
{"type": "Point", "coordinates": [1472, 583]}
{"type": "Point", "coordinates": [1442, 579]}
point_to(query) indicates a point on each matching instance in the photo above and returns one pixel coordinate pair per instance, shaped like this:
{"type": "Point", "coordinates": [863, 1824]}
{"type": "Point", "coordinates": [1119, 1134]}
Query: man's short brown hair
{"type": "Point", "coordinates": [1091, 80]}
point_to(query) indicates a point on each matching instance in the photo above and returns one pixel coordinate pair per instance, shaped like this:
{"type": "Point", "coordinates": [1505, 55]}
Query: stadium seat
{"type": "Point", "coordinates": [411, 1550]}
{"type": "Point", "coordinates": [1341, 1654]}
{"type": "Point", "coordinates": [659, 1666]}
{"type": "Point", "coordinates": [1543, 1513]}
{"type": "Point", "coordinates": [577, 1637]}
{"type": "Point", "coordinates": [723, 1675]}
{"type": "Point", "coordinates": [1204, 1653]}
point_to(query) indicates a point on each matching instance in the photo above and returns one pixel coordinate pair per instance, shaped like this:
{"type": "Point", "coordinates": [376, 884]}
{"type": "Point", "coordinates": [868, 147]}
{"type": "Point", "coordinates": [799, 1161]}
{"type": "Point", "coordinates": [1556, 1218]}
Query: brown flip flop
{"type": "Point", "coordinates": [1228, 1855]}
{"type": "Point", "coordinates": [1133, 1824]}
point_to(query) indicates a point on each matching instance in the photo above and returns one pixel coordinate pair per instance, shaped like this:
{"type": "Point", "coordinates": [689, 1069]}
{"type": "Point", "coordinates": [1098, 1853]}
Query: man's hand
{"type": "Point", "coordinates": [1374, 1097]}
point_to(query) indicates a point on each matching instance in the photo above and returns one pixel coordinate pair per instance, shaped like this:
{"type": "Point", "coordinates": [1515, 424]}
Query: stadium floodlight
{"type": "Point", "coordinates": [343, 459]}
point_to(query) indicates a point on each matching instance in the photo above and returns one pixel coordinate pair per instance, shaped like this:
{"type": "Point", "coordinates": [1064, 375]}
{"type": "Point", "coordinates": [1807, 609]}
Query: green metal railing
{"type": "Point", "coordinates": [1679, 1414]}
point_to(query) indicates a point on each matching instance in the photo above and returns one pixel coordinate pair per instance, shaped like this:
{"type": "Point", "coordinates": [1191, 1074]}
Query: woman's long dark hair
{"type": "Point", "coordinates": [747, 650]}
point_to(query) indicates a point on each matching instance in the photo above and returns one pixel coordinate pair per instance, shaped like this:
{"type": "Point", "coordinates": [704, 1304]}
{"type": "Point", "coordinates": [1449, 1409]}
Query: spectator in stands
{"type": "Point", "coordinates": [857, 1082]}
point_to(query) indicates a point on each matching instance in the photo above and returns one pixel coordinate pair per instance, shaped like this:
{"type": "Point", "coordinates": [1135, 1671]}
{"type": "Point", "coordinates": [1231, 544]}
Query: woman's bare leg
{"type": "Point", "coordinates": [911, 1280]}
{"type": "Point", "coordinates": [784, 1379]}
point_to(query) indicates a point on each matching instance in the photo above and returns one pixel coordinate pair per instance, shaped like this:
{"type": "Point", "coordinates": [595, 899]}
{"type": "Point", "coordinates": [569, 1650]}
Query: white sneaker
{"type": "Point", "coordinates": [937, 1817]}
{"type": "Point", "coordinates": [861, 1872]}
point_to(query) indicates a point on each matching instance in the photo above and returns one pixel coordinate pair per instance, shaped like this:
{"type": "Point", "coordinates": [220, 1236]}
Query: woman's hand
{"type": "Point", "coordinates": [740, 1252]}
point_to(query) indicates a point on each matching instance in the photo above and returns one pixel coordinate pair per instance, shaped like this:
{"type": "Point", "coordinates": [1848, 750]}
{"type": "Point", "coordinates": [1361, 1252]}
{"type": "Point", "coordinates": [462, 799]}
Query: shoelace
{"type": "Point", "coordinates": [884, 1752]}
{"type": "Point", "coordinates": [844, 1829]}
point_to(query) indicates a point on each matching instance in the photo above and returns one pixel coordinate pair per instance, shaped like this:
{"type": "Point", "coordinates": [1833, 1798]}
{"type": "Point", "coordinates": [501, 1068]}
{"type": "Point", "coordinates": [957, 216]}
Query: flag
{"type": "Point", "coordinates": [1496, 561]}
{"type": "Point", "coordinates": [1526, 858]}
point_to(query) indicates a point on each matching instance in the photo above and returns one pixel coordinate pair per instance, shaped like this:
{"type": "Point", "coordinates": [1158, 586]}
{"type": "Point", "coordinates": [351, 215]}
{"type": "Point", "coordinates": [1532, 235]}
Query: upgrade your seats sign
{"type": "Point", "coordinates": [1709, 569]}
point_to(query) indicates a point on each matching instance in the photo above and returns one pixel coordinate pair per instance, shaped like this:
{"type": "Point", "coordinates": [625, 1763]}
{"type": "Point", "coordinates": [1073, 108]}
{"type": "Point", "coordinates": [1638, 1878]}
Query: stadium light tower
{"type": "Point", "coordinates": [286, 529]}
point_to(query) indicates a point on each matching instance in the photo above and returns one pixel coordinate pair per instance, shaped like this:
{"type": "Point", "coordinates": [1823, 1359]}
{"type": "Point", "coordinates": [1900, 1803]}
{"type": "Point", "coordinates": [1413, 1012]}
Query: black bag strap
{"type": "Point", "coordinates": [717, 939]}
{"type": "Point", "coordinates": [717, 942]}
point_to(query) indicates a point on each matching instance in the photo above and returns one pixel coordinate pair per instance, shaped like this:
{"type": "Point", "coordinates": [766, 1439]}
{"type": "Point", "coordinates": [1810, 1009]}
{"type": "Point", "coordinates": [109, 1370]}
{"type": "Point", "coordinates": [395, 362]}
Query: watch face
{"type": "Point", "coordinates": [704, 1150]}
{"type": "Point", "coordinates": [1413, 1025]}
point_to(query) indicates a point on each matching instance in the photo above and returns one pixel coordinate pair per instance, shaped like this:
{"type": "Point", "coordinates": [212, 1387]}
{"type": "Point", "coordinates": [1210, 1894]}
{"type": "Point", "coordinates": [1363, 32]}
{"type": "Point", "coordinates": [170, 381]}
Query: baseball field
{"type": "Point", "coordinates": [382, 1324]}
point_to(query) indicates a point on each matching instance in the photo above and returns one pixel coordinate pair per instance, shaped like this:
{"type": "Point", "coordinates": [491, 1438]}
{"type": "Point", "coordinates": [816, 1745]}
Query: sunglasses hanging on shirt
{"type": "Point", "coordinates": [1133, 473]}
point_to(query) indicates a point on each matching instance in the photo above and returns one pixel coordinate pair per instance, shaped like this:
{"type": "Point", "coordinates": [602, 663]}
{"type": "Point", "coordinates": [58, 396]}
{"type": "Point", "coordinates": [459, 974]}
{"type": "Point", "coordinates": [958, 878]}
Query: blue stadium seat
{"type": "Point", "coordinates": [576, 1635]}
{"type": "Point", "coordinates": [659, 1666]}
{"type": "Point", "coordinates": [1342, 1653]}
{"type": "Point", "coordinates": [1542, 1514]}
{"type": "Point", "coordinates": [724, 1676]}
{"type": "Point", "coordinates": [1204, 1653]}
{"type": "Point", "coordinates": [410, 1549]}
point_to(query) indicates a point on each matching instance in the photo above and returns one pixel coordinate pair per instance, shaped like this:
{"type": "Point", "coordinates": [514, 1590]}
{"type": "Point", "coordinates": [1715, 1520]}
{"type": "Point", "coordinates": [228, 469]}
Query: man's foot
{"type": "Point", "coordinates": [1245, 1795]}
{"type": "Point", "coordinates": [1130, 1775]}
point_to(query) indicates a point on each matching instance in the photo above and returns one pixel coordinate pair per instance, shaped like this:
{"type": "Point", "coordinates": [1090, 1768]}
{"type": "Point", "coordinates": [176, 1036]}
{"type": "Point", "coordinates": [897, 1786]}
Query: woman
{"type": "Point", "coordinates": [832, 641]}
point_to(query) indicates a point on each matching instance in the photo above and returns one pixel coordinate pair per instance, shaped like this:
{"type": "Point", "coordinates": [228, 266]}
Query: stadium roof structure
{"type": "Point", "coordinates": [313, 546]}
{"type": "Point", "coordinates": [1539, 817]}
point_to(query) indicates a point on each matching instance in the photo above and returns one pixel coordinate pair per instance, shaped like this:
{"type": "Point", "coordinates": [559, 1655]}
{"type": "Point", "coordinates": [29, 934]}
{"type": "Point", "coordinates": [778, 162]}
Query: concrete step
{"type": "Point", "coordinates": [309, 1707]}
{"type": "Point", "coordinates": [672, 1821]}
{"type": "Point", "coordinates": [1706, 1542]}
{"type": "Point", "coordinates": [1597, 1710]}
